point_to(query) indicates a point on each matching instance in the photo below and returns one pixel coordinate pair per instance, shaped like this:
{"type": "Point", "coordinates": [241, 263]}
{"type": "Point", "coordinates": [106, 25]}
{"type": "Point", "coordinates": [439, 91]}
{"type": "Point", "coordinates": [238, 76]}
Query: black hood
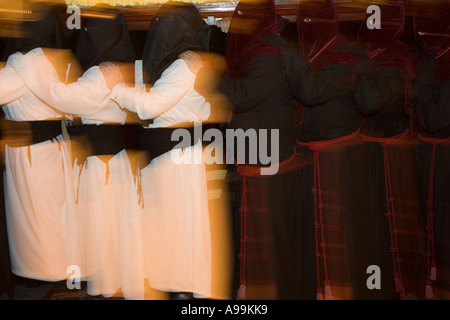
{"type": "Point", "coordinates": [104, 38]}
{"type": "Point", "coordinates": [45, 30]}
{"type": "Point", "coordinates": [177, 27]}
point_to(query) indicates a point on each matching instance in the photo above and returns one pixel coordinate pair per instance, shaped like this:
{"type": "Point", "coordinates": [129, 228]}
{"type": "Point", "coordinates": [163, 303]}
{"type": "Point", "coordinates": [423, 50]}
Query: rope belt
{"type": "Point", "coordinates": [390, 213]}
{"type": "Point", "coordinates": [321, 245]}
{"type": "Point", "coordinates": [430, 253]}
{"type": "Point", "coordinates": [245, 172]}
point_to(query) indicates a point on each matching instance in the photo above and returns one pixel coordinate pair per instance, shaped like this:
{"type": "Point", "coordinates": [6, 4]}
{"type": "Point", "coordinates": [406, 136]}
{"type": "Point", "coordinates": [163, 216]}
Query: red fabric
{"type": "Point", "coordinates": [317, 28]}
{"type": "Point", "coordinates": [383, 46]}
{"type": "Point", "coordinates": [431, 253]}
{"type": "Point", "coordinates": [256, 243]}
{"type": "Point", "coordinates": [323, 238]}
{"type": "Point", "coordinates": [251, 21]}
{"type": "Point", "coordinates": [397, 55]}
{"type": "Point", "coordinates": [431, 31]}
{"type": "Point", "coordinates": [441, 70]}
{"type": "Point", "coordinates": [432, 20]}
{"type": "Point", "coordinates": [385, 49]}
{"type": "Point", "coordinates": [392, 26]}
{"type": "Point", "coordinates": [391, 212]}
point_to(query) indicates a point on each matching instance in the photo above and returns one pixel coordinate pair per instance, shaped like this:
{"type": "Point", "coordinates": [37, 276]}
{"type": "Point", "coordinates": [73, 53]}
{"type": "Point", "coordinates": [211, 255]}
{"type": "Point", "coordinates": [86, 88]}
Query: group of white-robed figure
{"type": "Point", "coordinates": [61, 214]}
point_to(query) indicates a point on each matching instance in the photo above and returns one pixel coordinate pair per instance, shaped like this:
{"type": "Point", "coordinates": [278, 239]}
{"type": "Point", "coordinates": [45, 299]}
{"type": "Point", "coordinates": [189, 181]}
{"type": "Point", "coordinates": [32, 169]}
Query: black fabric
{"type": "Point", "coordinates": [382, 93]}
{"type": "Point", "coordinates": [326, 93]}
{"type": "Point", "coordinates": [130, 134]}
{"type": "Point", "coordinates": [104, 39]}
{"type": "Point", "coordinates": [44, 31]}
{"type": "Point", "coordinates": [105, 139]}
{"type": "Point", "coordinates": [402, 168]}
{"type": "Point", "coordinates": [381, 99]}
{"type": "Point", "coordinates": [431, 100]}
{"type": "Point", "coordinates": [341, 189]}
{"type": "Point", "coordinates": [176, 27]}
{"type": "Point", "coordinates": [261, 100]}
{"type": "Point", "coordinates": [334, 181]}
{"type": "Point", "coordinates": [440, 205]}
{"type": "Point", "coordinates": [270, 213]}
{"type": "Point", "coordinates": [45, 130]}
{"type": "Point", "coordinates": [26, 133]}
{"type": "Point", "coordinates": [157, 141]}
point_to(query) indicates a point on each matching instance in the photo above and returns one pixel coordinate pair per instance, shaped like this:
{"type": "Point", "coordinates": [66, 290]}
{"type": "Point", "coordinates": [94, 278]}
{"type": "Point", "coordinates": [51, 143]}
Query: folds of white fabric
{"type": "Point", "coordinates": [41, 217]}
{"type": "Point", "coordinates": [175, 224]}
{"type": "Point", "coordinates": [109, 218]}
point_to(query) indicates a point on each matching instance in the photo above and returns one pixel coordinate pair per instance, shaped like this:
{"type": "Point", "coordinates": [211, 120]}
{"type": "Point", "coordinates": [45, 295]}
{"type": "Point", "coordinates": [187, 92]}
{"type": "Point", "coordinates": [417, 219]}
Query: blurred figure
{"type": "Point", "coordinates": [12, 88]}
{"type": "Point", "coordinates": [431, 100]}
{"type": "Point", "coordinates": [394, 229]}
{"type": "Point", "coordinates": [39, 194]}
{"type": "Point", "coordinates": [175, 220]}
{"type": "Point", "coordinates": [335, 167]}
{"type": "Point", "coordinates": [106, 193]}
{"type": "Point", "coordinates": [259, 99]}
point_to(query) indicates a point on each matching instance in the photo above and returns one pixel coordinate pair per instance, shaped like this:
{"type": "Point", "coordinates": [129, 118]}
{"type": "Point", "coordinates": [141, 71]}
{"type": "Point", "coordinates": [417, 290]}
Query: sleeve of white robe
{"type": "Point", "coordinates": [83, 98]}
{"type": "Point", "coordinates": [12, 87]}
{"type": "Point", "coordinates": [174, 84]}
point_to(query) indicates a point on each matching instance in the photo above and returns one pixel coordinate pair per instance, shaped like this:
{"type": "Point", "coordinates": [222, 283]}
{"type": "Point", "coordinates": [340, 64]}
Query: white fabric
{"type": "Point", "coordinates": [87, 98]}
{"type": "Point", "coordinates": [175, 221]}
{"type": "Point", "coordinates": [139, 74]}
{"type": "Point", "coordinates": [171, 100]}
{"type": "Point", "coordinates": [39, 197]}
{"type": "Point", "coordinates": [41, 217]}
{"type": "Point", "coordinates": [108, 208]}
{"type": "Point", "coordinates": [110, 218]}
{"type": "Point", "coordinates": [29, 107]}
{"type": "Point", "coordinates": [12, 86]}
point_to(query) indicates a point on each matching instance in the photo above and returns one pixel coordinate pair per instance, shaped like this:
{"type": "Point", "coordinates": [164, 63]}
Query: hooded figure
{"type": "Point", "coordinates": [321, 77]}
{"type": "Point", "coordinates": [249, 24]}
{"type": "Point", "coordinates": [383, 94]}
{"type": "Point", "coordinates": [431, 100]}
{"type": "Point", "coordinates": [318, 43]}
{"type": "Point", "coordinates": [260, 102]}
{"type": "Point", "coordinates": [40, 210]}
{"type": "Point", "coordinates": [106, 193]}
{"type": "Point", "coordinates": [13, 88]}
{"type": "Point", "coordinates": [44, 29]}
{"type": "Point", "coordinates": [317, 30]}
{"type": "Point", "coordinates": [94, 47]}
{"type": "Point", "coordinates": [175, 219]}
{"type": "Point", "coordinates": [387, 52]}
{"type": "Point", "coordinates": [176, 28]}
{"type": "Point", "coordinates": [164, 43]}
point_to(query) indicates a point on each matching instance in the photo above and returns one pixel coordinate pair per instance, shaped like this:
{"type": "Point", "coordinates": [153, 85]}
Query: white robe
{"type": "Point", "coordinates": [39, 193]}
{"type": "Point", "coordinates": [175, 222]}
{"type": "Point", "coordinates": [108, 208]}
{"type": "Point", "coordinates": [12, 86]}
